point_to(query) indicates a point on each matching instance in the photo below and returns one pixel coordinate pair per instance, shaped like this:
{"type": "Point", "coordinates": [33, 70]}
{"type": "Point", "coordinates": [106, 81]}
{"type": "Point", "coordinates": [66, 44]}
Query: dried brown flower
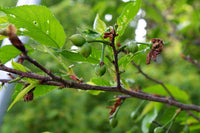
{"type": "Point", "coordinates": [111, 34]}
{"type": "Point", "coordinates": [29, 96]}
{"type": "Point", "coordinates": [155, 50]}
{"type": "Point", "coordinates": [113, 108]}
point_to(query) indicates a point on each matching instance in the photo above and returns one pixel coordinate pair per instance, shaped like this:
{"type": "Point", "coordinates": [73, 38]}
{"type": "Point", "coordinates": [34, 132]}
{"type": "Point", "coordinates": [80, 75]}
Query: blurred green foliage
{"type": "Point", "coordinates": [68, 110]}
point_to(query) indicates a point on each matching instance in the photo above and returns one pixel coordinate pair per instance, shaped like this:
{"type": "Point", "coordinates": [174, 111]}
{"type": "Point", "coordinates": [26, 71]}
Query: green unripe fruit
{"type": "Point", "coordinates": [86, 50]}
{"type": "Point", "coordinates": [113, 122]}
{"type": "Point", "coordinates": [77, 39]}
{"type": "Point", "coordinates": [159, 130]}
{"type": "Point", "coordinates": [134, 115]}
{"type": "Point", "coordinates": [100, 69]}
{"type": "Point", "coordinates": [132, 47]}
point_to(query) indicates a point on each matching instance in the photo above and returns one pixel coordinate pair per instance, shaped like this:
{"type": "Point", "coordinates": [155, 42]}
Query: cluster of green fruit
{"type": "Point", "coordinates": [85, 49]}
{"type": "Point", "coordinates": [79, 41]}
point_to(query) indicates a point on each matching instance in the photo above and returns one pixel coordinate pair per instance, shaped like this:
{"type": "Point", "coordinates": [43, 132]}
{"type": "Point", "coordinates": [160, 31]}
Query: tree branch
{"type": "Point", "coordinates": [154, 80]}
{"type": "Point", "coordinates": [189, 59]}
{"type": "Point", "coordinates": [115, 52]}
{"type": "Point", "coordinates": [71, 84]}
{"type": "Point", "coordinates": [162, 84]}
{"type": "Point", "coordinates": [25, 74]}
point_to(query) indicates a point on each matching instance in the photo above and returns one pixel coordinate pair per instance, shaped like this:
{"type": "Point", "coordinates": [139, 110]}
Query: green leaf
{"type": "Point", "coordinates": [42, 90]}
{"type": "Point", "coordinates": [125, 84]}
{"type": "Point", "coordinates": [37, 22]}
{"type": "Point", "coordinates": [176, 92]}
{"type": "Point", "coordinates": [148, 120]}
{"type": "Point", "coordinates": [21, 94]}
{"type": "Point", "coordinates": [94, 92]}
{"type": "Point", "coordinates": [123, 61]}
{"type": "Point", "coordinates": [99, 25]}
{"type": "Point", "coordinates": [90, 34]}
{"type": "Point", "coordinates": [3, 24]}
{"type": "Point", "coordinates": [154, 14]}
{"type": "Point", "coordinates": [100, 81]}
{"type": "Point", "coordinates": [127, 15]}
{"type": "Point", "coordinates": [147, 109]}
{"type": "Point", "coordinates": [19, 67]}
{"type": "Point", "coordinates": [78, 57]}
{"type": "Point", "coordinates": [7, 53]}
{"type": "Point", "coordinates": [3, 20]}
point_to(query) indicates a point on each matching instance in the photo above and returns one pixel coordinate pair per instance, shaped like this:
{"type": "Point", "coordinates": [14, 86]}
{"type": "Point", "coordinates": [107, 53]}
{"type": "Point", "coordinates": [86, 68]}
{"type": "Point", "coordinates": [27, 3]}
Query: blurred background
{"type": "Point", "coordinates": [68, 110]}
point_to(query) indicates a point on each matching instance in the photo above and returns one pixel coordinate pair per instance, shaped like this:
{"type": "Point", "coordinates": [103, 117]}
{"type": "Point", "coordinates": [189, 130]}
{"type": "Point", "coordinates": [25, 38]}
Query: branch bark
{"type": "Point", "coordinates": [70, 84]}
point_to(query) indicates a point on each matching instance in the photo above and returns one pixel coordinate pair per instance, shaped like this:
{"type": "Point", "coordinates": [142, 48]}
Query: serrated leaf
{"type": "Point", "coordinates": [7, 53]}
{"type": "Point", "coordinates": [78, 57]}
{"type": "Point", "coordinates": [37, 22]}
{"type": "Point", "coordinates": [99, 25]}
{"type": "Point", "coordinates": [127, 15]}
{"type": "Point", "coordinates": [146, 122]}
{"type": "Point", "coordinates": [19, 67]}
{"type": "Point", "coordinates": [21, 94]}
{"type": "Point", "coordinates": [176, 92]}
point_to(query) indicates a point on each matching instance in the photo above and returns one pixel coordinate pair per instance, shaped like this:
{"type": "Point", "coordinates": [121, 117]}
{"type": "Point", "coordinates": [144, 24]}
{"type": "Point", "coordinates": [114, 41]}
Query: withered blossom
{"type": "Point", "coordinates": [155, 50]}
{"type": "Point", "coordinates": [28, 96]}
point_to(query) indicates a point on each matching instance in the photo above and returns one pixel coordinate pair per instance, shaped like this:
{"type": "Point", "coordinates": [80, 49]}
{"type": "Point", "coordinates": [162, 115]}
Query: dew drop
{"type": "Point", "coordinates": [47, 21]}
{"type": "Point", "coordinates": [47, 31]}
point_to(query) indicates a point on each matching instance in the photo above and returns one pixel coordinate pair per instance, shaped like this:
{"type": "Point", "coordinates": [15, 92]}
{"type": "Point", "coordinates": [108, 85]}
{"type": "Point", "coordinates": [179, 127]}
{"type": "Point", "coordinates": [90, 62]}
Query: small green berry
{"type": "Point", "coordinates": [134, 115]}
{"type": "Point", "coordinates": [86, 50]}
{"type": "Point", "coordinates": [100, 69]}
{"type": "Point", "coordinates": [113, 122]}
{"type": "Point", "coordinates": [77, 40]}
{"type": "Point", "coordinates": [132, 47]}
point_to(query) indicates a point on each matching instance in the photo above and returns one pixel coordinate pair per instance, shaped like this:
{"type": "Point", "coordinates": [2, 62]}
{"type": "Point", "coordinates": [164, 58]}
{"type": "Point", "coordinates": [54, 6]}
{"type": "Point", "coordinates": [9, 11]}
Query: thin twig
{"type": "Point", "coordinates": [193, 115]}
{"type": "Point", "coordinates": [162, 84]}
{"type": "Point", "coordinates": [189, 59]}
{"type": "Point", "coordinates": [155, 122]}
{"type": "Point", "coordinates": [154, 80]}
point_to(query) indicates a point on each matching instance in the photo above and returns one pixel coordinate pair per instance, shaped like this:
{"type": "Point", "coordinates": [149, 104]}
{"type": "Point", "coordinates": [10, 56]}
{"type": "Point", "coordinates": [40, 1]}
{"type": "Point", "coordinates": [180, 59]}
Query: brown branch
{"type": "Point", "coordinates": [193, 115]}
{"type": "Point", "coordinates": [39, 66]}
{"type": "Point", "coordinates": [154, 80]}
{"type": "Point", "coordinates": [162, 84]}
{"type": "Point", "coordinates": [71, 84]}
{"type": "Point", "coordinates": [42, 83]}
{"type": "Point", "coordinates": [189, 59]}
{"type": "Point", "coordinates": [115, 52]}
{"type": "Point", "coordinates": [25, 74]}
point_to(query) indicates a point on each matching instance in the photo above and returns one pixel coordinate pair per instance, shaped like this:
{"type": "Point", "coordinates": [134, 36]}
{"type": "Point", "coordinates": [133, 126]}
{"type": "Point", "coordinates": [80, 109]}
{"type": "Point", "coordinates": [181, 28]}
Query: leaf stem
{"type": "Point", "coordinates": [101, 41]}
{"type": "Point", "coordinates": [102, 53]}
